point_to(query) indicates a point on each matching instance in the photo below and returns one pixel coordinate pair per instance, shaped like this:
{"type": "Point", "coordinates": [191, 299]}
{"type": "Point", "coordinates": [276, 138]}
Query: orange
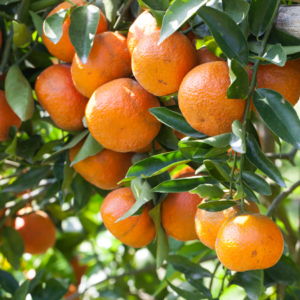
{"type": "Point", "coordinates": [249, 241]}
{"type": "Point", "coordinates": [161, 68]}
{"type": "Point", "coordinates": [205, 56]}
{"type": "Point", "coordinates": [104, 169]}
{"type": "Point", "coordinates": [79, 269]}
{"type": "Point", "coordinates": [207, 223]}
{"type": "Point", "coordinates": [58, 96]}
{"type": "Point", "coordinates": [64, 49]}
{"type": "Point", "coordinates": [186, 171]}
{"type": "Point", "coordinates": [148, 148]}
{"type": "Point", "coordinates": [71, 291]}
{"type": "Point", "coordinates": [135, 231]}
{"type": "Point", "coordinates": [109, 59]}
{"type": "Point", "coordinates": [118, 116]}
{"type": "Point", "coordinates": [7, 117]}
{"type": "Point", "coordinates": [36, 229]}
{"type": "Point", "coordinates": [203, 102]}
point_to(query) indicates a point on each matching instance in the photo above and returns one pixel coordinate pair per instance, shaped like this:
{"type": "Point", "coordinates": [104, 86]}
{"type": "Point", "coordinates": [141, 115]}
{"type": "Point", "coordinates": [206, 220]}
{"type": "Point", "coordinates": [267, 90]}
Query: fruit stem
{"type": "Point", "coordinates": [241, 182]}
{"type": "Point", "coordinates": [120, 18]}
{"type": "Point", "coordinates": [185, 32]}
{"type": "Point", "coordinates": [232, 173]}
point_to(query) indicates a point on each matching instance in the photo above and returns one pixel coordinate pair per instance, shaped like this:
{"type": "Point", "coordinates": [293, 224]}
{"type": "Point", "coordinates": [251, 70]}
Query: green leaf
{"type": "Point", "coordinates": [12, 148]}
{"type": "Point", "coordinates": [175, 121]}
{"type": "Point", "coordinates": [193, 154]}
{"type": "Point", "coordinates": [227, 34]}
{"type": "Point", "coordinates": [55, 288]}
{"type": "Point", "coordinates": [255, 48]}
{"type": "Point", "coordinates": [219, 141]}
{"type": "Point", "coordinates": [22, 36]}
{"type": "Point", "coordinates": [261, 14]}
{"type": "Point", "coordinates": [156, 164]}
{"type": "Point", "coordinates": [53, 26]}
{"type": "Point", "coordinates": [239, 192]}
{"type": "Point", "coordinates": [285, 272]}
{"type": "Point", "coordinates": [162, 249]}
{"type": "Point", "coordinates": [257, 183]}
{"type": "Point", "coordinates": [187, 294]}
{"type": "Point", "coordinates": [36, 280]}
{"type": "Point", "coordinates": [215, 169]}
{"type": "Point", "coordinates": [252, 282]}
{"type": "Point", "coordinates": [182, 184]}
{"type": "Point", "coordinates": [82, 30]}
{"type": "Point", "coordinates": [213, 47]}
{"type": "Point", "coordinates": [45, 149]}
{"type": "Point", "coordinates": [8, 282]}
{"type": "Point", "coordinates": [27, 180]}
{"type": "Point", "coordinates": [82, 192]}
{"type": "Point", "coordinates": [90, 147]}
{"type": "Point", "coordinates": [160, 5]}
{"type": "Point", "coordinates": [111, 8]}
{"type": "Point", "coordinates": [238, 141]}
{"type": "Point", "coordinates": [275, 55]}
{"type": "Point", "coordinates": [239, 79]}
{"type": "Point", "coordinates": [19, 94]}
{"type": "Point", "coordinates": [167, 139]}
{"type": "Point", "coordinates": [236, 9]}
{"type": "Point", "coordinates": [259, 160]}
{"type": "Point", "coordinates": [278, 114]}
{"type": "Point", "coordinates": [27, 148]}
{"type": "Point", "coordinates": [177, 14]}
{"type": "Point", "coordinates": [38, 22]}
{"type": "Point", "coordinates": [142, 192]}
{"type": "Point", "coordinates": [22, 291]}
{"type": "Point", "coordinates": [208, 190]}
{"type": "Point", "coordinates": [215, 152]}
{"type": "Point", "coordinates": [69, 173]}
{"type": "Point", "coordinates": [283, 38]}
{"type": "Point", "coordinates": [199, 286]}
{"type": "Point", "coordinates": [5, 2]}
{"type": "Point", "coordinates": [214, 206]}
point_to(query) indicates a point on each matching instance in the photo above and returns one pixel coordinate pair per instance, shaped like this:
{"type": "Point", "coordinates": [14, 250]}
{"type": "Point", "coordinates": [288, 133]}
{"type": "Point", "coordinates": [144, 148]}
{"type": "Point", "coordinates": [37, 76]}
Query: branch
{"type": "Point", "coordinates": [281, 197]}
{"type": "Point", "coordinates": [123, 13]}
{"type": "Point", "coordinates": [288, 156]}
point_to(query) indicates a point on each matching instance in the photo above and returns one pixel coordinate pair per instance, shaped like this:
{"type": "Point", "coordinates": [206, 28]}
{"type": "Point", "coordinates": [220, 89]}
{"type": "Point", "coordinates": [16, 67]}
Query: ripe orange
{"type": "Point", "coordinates": [161, 68]}
{"type": "Point", "coordinates": [135, 231]}
{"type": "Point", "coordinates": [104, 169]}
{"type": "Point", "coordinates": [64, 49]}
{"type": "Point", "coordinates": [118, 116]}
{"type": "Point", "coordinates": [71, 291]}
{"type": "Point", "coordinates": [203, 102]}
{"type": "Point", "coordinates": [187, 171]}
{"type": "Point", "coordinates": [109, 59]}
{"type": "Point", "coordinates": [249, 241]}
{"type": "Point", "coordinates": [207, 223]}
{"type": "Point", "coordinates": [37, 230]}
{"type": "Point", "coordinates": [79, 270]}
{"type": "Point", "coordinates": [205, 56]}
{"type": "Point", "coordinates": [7, 117]}
{"type": "Point", "coordinates": [58, 96]}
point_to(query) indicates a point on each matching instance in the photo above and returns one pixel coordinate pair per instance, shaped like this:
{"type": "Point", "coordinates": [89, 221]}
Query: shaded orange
{"type": "Point", "coordinates": [37, 231]}
{"type": "Point", "coordinates": [249, 241]}
{"type": "Point", "coordinates": [205, 56]}
{"type": "Point", "coordinates": [207, 223]}
{"type": "Point", "coordinates": [64, 49]}
{"type": "Point", "coordinates": [104, 169]}
{"type": "Point", "coordinates": [78, 269]}
{"type": "Point", "coordinates": [71, 291]}
{"type": "Point", "coordinates": [7, 117]}
{"type": "Point", "coordinates": [135, 231]}
{"type": "Point", "coordinates": [203, 102]}
{"type": "Point", "coordinates": [161, 68]}
{"type": "Point", "coordinates": [58, 96]}
{"type": "Point", "coordinates": [109, 59]}
{"type": "Point", "coordinates": [118, 116]}
{"type": "Point", "coordinates": [187, 171]}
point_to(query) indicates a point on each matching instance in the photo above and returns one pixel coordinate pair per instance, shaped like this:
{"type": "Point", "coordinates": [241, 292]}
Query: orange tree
{"type": "Point", "coordinates": [143, 149]}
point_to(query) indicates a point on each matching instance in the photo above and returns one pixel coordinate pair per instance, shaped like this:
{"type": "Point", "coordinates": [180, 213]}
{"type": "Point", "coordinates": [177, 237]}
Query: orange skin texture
{"type": "Point", "coordinates": [104, 169]}
{"type": "Point", "coordinates": [71, 291]}
{"type": "Point", "coordinates": [37, 231]}
{"type": "Point", "coordinates": [7, 117]}
{"type": "Point", "coordinates": [203, 102]}
{"type": "Point", "coordinates": [205, 56]}
{"type": "Point", "coordinates": [109, 59]}
{"type": "Point", "coordinates": [58, 96]}
{"type": "Point", "coordinates": [249, 241]}
{"type": "Point", "coordinates": [208, 224]}
{"type": "Point", "coordinates": [161, 68]}
{"type": "Point", "coordinates": [134, 231]}
{"type": "Point", "coordinates": [64, 49]}
{"type": "Point", "coordinates": [118, 116]}
{"type": "Point", "coordinates": [79, 270]}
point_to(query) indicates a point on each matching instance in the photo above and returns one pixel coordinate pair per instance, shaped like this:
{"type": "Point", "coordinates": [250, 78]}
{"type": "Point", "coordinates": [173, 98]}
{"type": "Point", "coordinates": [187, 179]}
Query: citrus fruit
{"type": "Point", "coordinates": [64, 50]}
{"type": "Point", "coordinates": [118, 116]}
{"type": "Point", "coordinates": [135, 231]}
{"type": "Point", "coordinates": [109, 59]}
{"type": "Point", "coordinates": [203, 102]}
{"type": "Point", "coordinates": [104, 169]}
{"type": "Point", "coordinates": [207, 223]}
{"type": "Point", "coordinates": [36, 229]}
{"type": "Point", "coordinates": [249, 241]}
{"type": "Point", "coordinates": [79, 269]}
{"type": "Point", "coordinates": [160, 68]}
{"type": "Point", "coordinates": [7, 117]}
{"type": "Point", "coordinates": [186, 171]}
{"type": "Point", "coordinates": [58, 96]}
{"type": "Point", "coordinates": [205, 56]}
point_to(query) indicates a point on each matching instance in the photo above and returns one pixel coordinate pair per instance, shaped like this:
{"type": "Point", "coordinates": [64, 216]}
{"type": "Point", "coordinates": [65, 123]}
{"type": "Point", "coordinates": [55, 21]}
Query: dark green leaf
{"type": "Point", "coordinates": [214, 206]}
{"type": "Point", "coordinates": [111, 8]}
{"type": "Point", "coordinates": [249, 193]}
{"type": "Point", "coordinates": [275, 55]}
{"type": "Point", "coordinates": [27, 148]}
{"type": "Point", "coordinates": [215, 169]}
{"type": "Point", "coordinates": [219, 141]}
{"type": "Point", "coordinates": [259, 160]}
{"type": "Point", "coordinates": [167, 138]}
{"type": "Point", "coordinates": [45, 149]}
{"type": "Point", "coordinates": [38, 23]}
{"type": "Point", "coordinates": [236, 9]}
{"type": "Point", "coordinates": [82, 30]}
{"type": "Point", "coordinates": [36, 280]}
{"type": "Point", "coordinates": [283, 38]}
{"type": "Point", "coordinates": [160, 5]}
{"type": "Point", "coordinates": [199, 286]}
{"type": "Point", "coordinates": [5, 2]}
{"type": "Point", "coordinates": [257, 183]}
{"type": "Point", "coordinates": [22, 291]}
{"type": "Point", "coordinates": [68, 173]}
{"type": "Point", "coordinates": [214, 152]}
{"type": "Point", "coordinates": [12, 148]}
{"type": "Point", "coordinates": [227, 34]}
{"type": "Point", "coordinates": [187, 294]}
{"type": "Point", "coordinates": [208, 190]}
{"type": "Point", "coordinates": [176, 121]}
{"type": "Point", "coordinates": [238, 141]}
{"type": "Point", "coordinates": [192, 154]}
{"type": "Point", "coordinates": [8, 282]}
{"type": "Point", "coordinates": [19, 94]}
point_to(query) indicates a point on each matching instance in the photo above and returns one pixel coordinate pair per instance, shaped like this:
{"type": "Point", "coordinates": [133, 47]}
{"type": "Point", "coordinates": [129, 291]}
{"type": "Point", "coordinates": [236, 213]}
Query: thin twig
{"type": "Point", "coordinates": [288, 156]}
{"type": "Point", "coordinates": [120, 18]}
{"type": "Point", "coordinates": [6, 16]}
{"type": "Point", "coordinates": [281, 197]}
{"type": "Point", "coordinates": [185, 32]}
{"type": "Point", "coordinates": [213, 275]}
